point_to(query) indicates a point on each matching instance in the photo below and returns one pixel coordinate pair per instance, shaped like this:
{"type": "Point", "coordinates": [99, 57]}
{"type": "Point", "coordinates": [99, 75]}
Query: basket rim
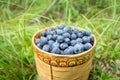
{"type": "Point", "coordinates": [59, 55]}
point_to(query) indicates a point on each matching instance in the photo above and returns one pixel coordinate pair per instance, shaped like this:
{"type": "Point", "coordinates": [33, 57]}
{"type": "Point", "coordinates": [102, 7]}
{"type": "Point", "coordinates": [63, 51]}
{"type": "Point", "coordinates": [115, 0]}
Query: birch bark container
{"type": "Point", "coordinates": [52, 66]}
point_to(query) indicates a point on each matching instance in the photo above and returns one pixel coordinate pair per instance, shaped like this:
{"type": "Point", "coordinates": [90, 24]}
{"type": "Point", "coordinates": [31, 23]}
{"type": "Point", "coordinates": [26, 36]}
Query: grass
{"type": "Point", "coordinates": [100, 16]}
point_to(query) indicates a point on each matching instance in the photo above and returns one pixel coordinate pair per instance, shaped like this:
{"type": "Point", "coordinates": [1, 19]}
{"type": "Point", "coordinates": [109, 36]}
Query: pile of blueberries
{"type": "Point", "coordinates": [64, 40]}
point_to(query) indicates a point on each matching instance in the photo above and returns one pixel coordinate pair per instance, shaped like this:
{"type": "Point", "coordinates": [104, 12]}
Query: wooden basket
{"type": "Point", "coordinates": [62, 67]}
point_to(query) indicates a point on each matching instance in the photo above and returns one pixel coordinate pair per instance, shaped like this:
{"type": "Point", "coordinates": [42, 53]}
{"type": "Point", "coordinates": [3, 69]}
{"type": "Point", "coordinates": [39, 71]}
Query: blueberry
{"type": "Point", "coordinates": [56, 50]}
{"type": "Point", "coordinates": [49, 37]}
{"type": "Point", "coordinates": [73, 36]}
{"type": "Point", "coordinates": [71, 48]}
{"type": "Point", "coordinates": [78, 48]}
{"type": "Point", "coordinates": [79, 34]}
{"type": "Point", "coordinates": [79, 40]}
{"type": "Point", "coordinates": [85, 39]}
{"type": "Point", "coordinates": [52, 32]}
{"type": "Point", "coordinates": [73, 42]}
{"type": "Point", "coordinates": [67, 29]}
{"type": "Point", "coordinates": [87, 46]}
{"type": "Point", "coordinates": [66, 35]}
{"type": "Point", "coordinates": [64, 40]}
{"type": "Point", "coordinates": [91, 38]}
{"type": "Point", "coordinates": [43, 33]}
{"type": "Point", "coordinates": [37, 41]}
{"type": "Point", "coordinates": [61, 26]}
{"type": "Point", "coordinates": [60, 38]}
{"type": "Point", "coordinates": [46, 48]}
{"type": "Point", "coordinates": [50, 42]}
{"type": "Point", "coordinates": [56, 44]}
{"type": "Point", "coordinates": [43, 40]}
{"type": "Point", "coordinates": [54, 37]}
{"type": "Point", "coordinates": [63, 46]}
{"type": "Point", "coordinates": [39, 45]}
{"type": "Point", "coordinates": [67, 40]}
{"type": "Point", "coordinates": [48, 33]}
{"type": "Point", "coordinates": [49, 29]}
{"type": "Point", "coordinates": [83, 32]}
{"type": "Point", "coordinates": [59, 32]}
{"type": "Point", "coordinates": [61, 51]}
{"type": "Point", "coordinates": [87, 33]}
{"type": "Point", "coordinates": [75, 30]}
{"type": "Point", "coordinates": [68, 50]}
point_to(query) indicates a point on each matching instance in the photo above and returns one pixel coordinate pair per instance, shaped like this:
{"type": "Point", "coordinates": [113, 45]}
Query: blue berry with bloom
{"type": "Point", "coordinates": [87, 46]}
{"type": "Point", "coordinates": [87, 33]}
{"type": "Point", "coordinates": [73, 36]}
{"type": "Point", "coordinates": [49, 37]}
{"type": "Point", "coordinates": [64, 40]}
{"type": "Point", "coordinates": [78, 48]}
{"type": "Point", "coordinates": [43, 40]}
{"type": "Point", "coordinates": [59, 31]}
{"type": "Point", "coordinates": [56, 50]}
{"type": "Point", "coordinates": [56, 44]}
{"type": "Point", "coordinates": [67, 29]}
{"type": "Point", "coordinates": [37, 41]}
{"type": "Point", "coordinates": [67, 40]}
{"type": "Point", "coordinates": [54, 37]}
{"type": "Point", "coordinates": [61, 26]}
{"type": "Point", "coordinates": [63, 46]}
{"type": "Point", "coordinates": [46, 48]}
{"type": "Point", "coordinates": [50, 42]}
{"type": "Point", "coordinates": [66, 35]}
{"type": "Point", "coordinates": [85, 39]}
{"type": "Point", "coordinates": [43, 33]}
{"type": "Point", "coordinates": [79, 35]}
{"type": "Point", "coordinates": [69, 50]}
{"type": "Point", "coordinates": [91, 38]}
{"type": "Point", "coordinates": [79, 40]}
{"type": "Point", "coordinates": [73, 42]}
{"type": "Point", "coordinates": [60, 38]}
